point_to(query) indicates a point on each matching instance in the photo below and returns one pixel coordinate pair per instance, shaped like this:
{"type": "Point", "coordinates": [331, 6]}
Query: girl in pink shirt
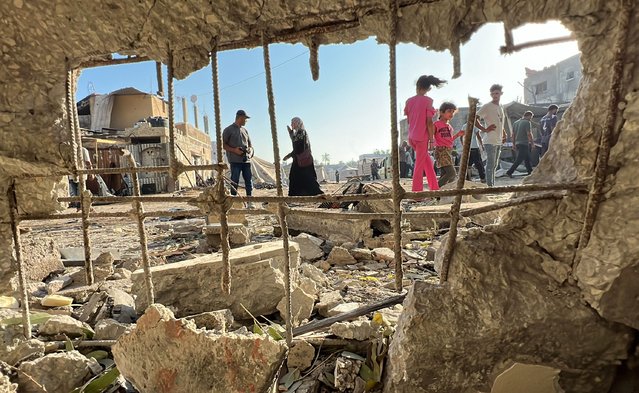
{"type": "Point", "coordinates": [419, 111]}
{"type": "Point", "coordinates": [444, 138]}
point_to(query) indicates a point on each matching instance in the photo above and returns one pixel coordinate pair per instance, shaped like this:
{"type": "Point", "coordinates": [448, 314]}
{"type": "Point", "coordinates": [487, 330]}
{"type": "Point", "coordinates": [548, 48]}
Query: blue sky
{"type": "Point", "coordinates": [347, 111]}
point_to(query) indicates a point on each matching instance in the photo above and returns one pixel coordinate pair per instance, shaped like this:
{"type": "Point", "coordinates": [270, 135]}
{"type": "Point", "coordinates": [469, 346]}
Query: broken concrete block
{"type": "Point", "coordinates": [9, 302]}
{"type": "Point", "coordinates": [56, 372]}
{"type": "Point", "coordinates": [327, 301]}
{"type": "Point", "coordinates": [58, 283]}
{"type": "Point", "coordinates": [361, 254]}
{"type": "Point", "coordinates": [310, 247]}
{"type": "Point", "coordinates": [337, 229]}
{"type": "Point", "coordinates": [301, 355]}
{"type": "Point", "coordinates": [314, 273]}
{"type": "Point", "coordinates": [21, 350]}
{"type": "Point", "coordinates": [356, 330]}
{"type": "Point", "coordinates": [323, 265]}
{"type": "Point", "coordinates": [340, 256]}
{"type": "Point", "coordinates": [213, 320]}
{"type": "Point", "coordinates": [102, 269]}
{"type": "Point", "coordinates": [120, 273]}
{"type": "Point", "coordinates": [64, 324]}
{"type": "Point", "coordinates": [238, 234]}
{"type": "Point", "coordinates": [110, 329]}
{"type": "Point", "coordinates": [40, 257]}
{"type": "Point", "coordinates": [193, 286]}
{"type": "Point", "coordinates": [164, 354]}
{"type": "Point", "coordinates": [383, 254]}
{"type": "Point", "coordinates": [309, 286]}
{"type": "Point", "coordinates": [301, 306]}
{"type": "Point", "coordinates": [342, 308]}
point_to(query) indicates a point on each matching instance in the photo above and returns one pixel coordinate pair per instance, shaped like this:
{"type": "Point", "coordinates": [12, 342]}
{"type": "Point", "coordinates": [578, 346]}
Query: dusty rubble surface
{"type": "Point", "coordinates": [33, 126]}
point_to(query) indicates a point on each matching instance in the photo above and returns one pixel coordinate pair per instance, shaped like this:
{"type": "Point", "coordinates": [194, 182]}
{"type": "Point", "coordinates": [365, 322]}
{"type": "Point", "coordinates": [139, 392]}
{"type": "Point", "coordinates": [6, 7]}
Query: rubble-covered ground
{"type": "Point", "coordinates": [333, 278]}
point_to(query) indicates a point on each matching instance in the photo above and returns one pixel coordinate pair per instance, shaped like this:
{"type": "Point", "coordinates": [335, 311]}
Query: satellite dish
{"type": "Point", "coordinates": [194, 98]}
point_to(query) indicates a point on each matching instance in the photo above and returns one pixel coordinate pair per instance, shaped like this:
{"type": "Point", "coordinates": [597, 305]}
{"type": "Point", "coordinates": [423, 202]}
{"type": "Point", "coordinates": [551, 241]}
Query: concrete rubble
{"type": "Point", "coordinates": [221, 320]}
{"type": "Point", "coordinates": [56, 372]}
{"type": "Point", "coordinates": [518, 292]}
{"type": "Point", "coordinates": [164, 354]}
{"type": "Point", "coordinates": [193, 286]}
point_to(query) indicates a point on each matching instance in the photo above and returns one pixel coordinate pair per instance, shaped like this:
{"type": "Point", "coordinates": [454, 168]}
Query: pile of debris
{"type": "Point", "coordinates": [170, 347]}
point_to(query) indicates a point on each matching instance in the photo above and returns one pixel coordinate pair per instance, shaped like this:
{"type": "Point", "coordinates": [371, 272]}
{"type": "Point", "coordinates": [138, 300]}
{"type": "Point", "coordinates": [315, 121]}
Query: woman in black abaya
{"type": "Point", "coordinates": [302, 179]}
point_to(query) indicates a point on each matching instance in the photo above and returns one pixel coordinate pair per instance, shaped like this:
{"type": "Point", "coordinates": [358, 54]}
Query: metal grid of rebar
{"type": "Point", "coordinates": [223, 201]}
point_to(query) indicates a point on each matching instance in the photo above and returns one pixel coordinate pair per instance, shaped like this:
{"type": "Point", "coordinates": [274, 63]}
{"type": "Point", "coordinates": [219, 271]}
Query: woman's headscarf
{"type": "Point", "coordinates": [297, 123]}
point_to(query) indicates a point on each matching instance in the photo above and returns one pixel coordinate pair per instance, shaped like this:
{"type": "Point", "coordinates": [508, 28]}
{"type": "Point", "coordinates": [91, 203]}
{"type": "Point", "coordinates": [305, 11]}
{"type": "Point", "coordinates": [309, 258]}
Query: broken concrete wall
{"type": "Point", "coordinates": [163, 354]}
{"type": "Point", "coordinates": [32, 124]}
{"type": "Point", "coordinates": [194, 286]}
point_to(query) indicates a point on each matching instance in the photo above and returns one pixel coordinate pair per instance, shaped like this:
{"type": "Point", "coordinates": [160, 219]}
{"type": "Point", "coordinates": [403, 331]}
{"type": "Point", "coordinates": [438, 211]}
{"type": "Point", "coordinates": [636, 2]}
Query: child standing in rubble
{"type": "Point", "coordinates": [419, 111]}
{"type": "Point", "coordinates": [444, 140]}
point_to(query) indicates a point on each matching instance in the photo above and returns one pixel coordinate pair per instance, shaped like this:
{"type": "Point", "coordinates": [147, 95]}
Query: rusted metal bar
{"type": "Point", "coordinates": [221, 190]}
{"type": "Point", "coordinates": [17, 245]}
{"type": "Point", "coordinates": [603, 154]}
{"type": "Point", "coordinates": [355, 197]}
{"type": "Point", "coordinates": [506, 49]}
{"type": "Point", "coordinates": [173, 161]}
{"type": "Point", "coordinates": [367, 309]}
{"type": "Point", "coordinates": [280, 192]}
{"type": "Point", "coordinates": [158, 74]}
{"type": "Point", "coordinates": [85, 195]}
{"type": "Point", "coordinates": [398, 191]}
{"type": "Point", "coordinates": [461, 179]}
{"type": "Point", "coordinates": [139, 210]}
{"type": "Point", "coordinates": [511, 203]}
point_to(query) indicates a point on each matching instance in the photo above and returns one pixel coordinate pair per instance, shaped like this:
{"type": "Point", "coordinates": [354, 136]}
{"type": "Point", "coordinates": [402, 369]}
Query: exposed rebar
{"type": "Point", "coordinates": [221, 190]}
{"type": "Point", "coordinates": [603, 152]}
{"type": "Point", "coordinates": [461, 179]}
{"type": "Point", "coordinates": [398, 191]}
{"type": "Point", "coordinates": [173, 163]}
{"type": "Point", "coordinates": [278, 179]}
{"type": "Point", "coordinates": [17, 246]}
{"type": "Point", "coordinates": [139, 211]}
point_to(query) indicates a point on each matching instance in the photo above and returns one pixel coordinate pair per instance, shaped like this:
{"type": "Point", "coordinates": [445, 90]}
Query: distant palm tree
{"type": "Point", "coordinates": [326, 158]}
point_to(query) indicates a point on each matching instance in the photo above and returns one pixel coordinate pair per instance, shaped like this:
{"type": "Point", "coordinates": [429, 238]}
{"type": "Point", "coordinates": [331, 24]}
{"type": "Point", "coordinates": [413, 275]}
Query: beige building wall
{"type": "Point", "coordinates": [128, 109]}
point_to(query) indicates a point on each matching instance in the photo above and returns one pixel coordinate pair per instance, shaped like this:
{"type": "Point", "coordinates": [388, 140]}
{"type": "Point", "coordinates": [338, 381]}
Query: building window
{"type": "Point", "coordinates": [570, 75]}
{"type": "Point", "coordinates": [541, 88]}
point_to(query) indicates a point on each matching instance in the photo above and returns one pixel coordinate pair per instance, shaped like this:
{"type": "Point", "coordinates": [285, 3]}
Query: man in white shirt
{"type": "Point", "coordinates": [494, 134]}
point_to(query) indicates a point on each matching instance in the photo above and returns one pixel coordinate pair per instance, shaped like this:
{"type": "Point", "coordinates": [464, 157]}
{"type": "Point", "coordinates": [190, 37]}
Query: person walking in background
{"type": "Point", "coordinates": [522, 143]}
{"type": "Point", "coordinates": [474, 159]}
{"type": "Point", "coordinates": [444, 139]}
{"type": "Point", "coordinates": [419, 111]}
{"type": "Point", "coordinates": [239, 151]}
{"type": "Point", "coordinates": [403, 166]}
{"type": "Point", "coordinates": [374, 170]}
{"type": "Point", "coordinates": [547, 125]}
{"type": "Point", "coordinates": [494, 134]}
{"type": "Point", "coordinates": [336, 176]}
{"type": "Point", "coordinates": [302, 179]}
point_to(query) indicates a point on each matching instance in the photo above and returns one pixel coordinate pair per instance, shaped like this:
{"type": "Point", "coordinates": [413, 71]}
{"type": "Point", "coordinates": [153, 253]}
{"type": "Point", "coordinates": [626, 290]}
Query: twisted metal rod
{"type": "Point", "coordinates": [173, 162]}
{"type": "Point", "coordinates": [603, 152]}
{"type": "Point", "coordinates": [224, 223]}
{"type": "Point", "coordinates": [85, 195]}
{"type": "Point", "coordinates": [398, 191]}
{"type": "Point", "coordinates": [22, 281]}
{"type": "Point", "coordinates": [461, 179]}
{"type": "Point", "coordinates": [576, 186]}
{"type": "Point", "coordinates": [278, 179]}
{"type": "Point", "coordinates": [144, 249]}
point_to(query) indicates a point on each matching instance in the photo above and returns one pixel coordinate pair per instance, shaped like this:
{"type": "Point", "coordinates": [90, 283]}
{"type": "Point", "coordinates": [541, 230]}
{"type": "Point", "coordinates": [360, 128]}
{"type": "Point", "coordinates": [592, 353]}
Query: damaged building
{"type": "Point", "coordinates": [543, 297]}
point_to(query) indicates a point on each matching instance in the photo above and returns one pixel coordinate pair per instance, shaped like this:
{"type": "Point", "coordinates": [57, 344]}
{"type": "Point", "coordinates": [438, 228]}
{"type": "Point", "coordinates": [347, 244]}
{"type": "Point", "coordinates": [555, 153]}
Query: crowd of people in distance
{"type": "Point", "coordinates": [432, 144]}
